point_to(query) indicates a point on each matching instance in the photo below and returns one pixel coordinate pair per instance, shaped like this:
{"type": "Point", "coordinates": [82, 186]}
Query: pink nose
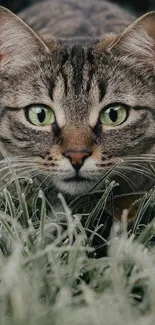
{"type": "Point", "coordinates": [77, 157]}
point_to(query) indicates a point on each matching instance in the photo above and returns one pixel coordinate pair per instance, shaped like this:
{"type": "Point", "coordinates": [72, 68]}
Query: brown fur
{"type": "Point", "coordinates": [78, 78]}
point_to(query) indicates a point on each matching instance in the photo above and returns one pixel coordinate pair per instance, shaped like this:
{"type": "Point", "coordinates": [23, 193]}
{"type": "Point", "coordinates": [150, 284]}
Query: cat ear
{"type": "Point", "coordinates": [18, 43]}
{"type": "Point", "coordinates": [139, 38]}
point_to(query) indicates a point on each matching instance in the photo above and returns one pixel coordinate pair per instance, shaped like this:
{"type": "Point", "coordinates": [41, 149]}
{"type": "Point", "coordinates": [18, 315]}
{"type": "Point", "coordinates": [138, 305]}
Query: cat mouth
{"type": "Point", "coordinates": [74, 185]}
{"type": "Point", "coordinates": [76, 179]}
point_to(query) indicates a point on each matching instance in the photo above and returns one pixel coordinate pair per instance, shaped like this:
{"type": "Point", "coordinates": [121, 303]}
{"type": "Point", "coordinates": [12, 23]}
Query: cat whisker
{"type": "Point", "coordinates": [26, 174]}
{"type": "Point", "coordinates": [145, 165]}
{"type": "Point", "coordinates": [139, 171]}
{"type": "Point", "coordinates": [4, 164]}
{"type": "Point", "coordinates": [48, 184]}
{"type": "Point", "coordinates": [145, 158]}
{"type": "Point", "coordinates": [146, 168]}
{"type": "Point", "coordinates": [16, 166]}
{"type": "Point", "coordinates": [18, 171]}
{"type": "Point", "coordinates": [107, 173]}
{"type": "Point", "coordinates": [42, 182]}
{"type": "Point", "coordinates": [131, 184]}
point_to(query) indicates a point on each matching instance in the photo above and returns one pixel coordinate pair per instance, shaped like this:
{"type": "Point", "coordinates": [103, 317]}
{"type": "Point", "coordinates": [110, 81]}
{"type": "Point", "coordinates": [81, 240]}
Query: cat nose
{"type": "Point", "coordinates": [77, 157]}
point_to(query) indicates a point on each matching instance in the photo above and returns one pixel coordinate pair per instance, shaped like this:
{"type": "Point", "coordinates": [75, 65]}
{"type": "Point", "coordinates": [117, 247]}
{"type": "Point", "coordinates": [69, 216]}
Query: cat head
{"type": "Point", "coordinates": [73, 109]}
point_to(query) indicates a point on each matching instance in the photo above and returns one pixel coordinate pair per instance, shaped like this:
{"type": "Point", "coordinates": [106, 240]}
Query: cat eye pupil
{"type": "Point", "coordinates": [113, 115]}
{"type": "Point", "coordinates": [41, 115]}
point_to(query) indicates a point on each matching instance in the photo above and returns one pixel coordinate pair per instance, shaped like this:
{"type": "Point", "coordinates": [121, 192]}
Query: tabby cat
{"type": "Point", "coordinates": [79, 97]}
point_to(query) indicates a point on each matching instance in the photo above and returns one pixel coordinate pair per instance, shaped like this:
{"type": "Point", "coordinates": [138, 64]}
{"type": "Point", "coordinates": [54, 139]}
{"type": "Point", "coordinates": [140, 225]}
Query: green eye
{"type": "Point", "coordinates": [114, 115]}
{"type": "Point", "coordinates": [40, 115]}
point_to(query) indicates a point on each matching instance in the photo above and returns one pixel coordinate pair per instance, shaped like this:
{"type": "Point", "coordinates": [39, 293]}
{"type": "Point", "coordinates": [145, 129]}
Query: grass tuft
{"type": "Point", "coordinates": [48, 271]}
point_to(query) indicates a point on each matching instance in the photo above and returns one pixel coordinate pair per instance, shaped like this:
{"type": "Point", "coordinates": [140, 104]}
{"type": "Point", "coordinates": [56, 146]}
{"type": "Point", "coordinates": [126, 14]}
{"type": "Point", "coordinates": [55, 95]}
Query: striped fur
{"type": "Point", "coordinates": [77, 77]}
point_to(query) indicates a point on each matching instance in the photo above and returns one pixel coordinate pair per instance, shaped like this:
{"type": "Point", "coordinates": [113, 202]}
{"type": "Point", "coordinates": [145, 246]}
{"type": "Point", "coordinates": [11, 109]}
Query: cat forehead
{"type": "Point", "coordinates": [76, 54]}
{"type": "Point", "coordinates": [76, 74]}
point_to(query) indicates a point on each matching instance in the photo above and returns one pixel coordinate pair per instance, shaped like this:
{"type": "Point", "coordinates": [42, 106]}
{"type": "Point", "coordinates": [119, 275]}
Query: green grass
{"type": "Point", "coordinates": [48, 273]}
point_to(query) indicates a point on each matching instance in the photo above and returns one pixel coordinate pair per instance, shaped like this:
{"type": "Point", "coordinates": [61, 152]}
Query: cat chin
{"type": "Point", "coordinates": [74, 188]}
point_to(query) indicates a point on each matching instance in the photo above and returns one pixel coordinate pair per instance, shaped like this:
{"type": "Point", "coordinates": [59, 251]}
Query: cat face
{"type": "Point", "coordinates": [74, 110]}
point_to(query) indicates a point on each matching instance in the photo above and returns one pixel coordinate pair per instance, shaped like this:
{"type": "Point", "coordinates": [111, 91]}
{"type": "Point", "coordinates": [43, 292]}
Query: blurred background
{"type": "Point", "coordinates": [137, 6]}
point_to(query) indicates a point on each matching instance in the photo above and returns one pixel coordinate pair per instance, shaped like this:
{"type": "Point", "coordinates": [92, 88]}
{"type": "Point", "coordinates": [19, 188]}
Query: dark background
{"type": "Point", "coordinates": [137, 6]}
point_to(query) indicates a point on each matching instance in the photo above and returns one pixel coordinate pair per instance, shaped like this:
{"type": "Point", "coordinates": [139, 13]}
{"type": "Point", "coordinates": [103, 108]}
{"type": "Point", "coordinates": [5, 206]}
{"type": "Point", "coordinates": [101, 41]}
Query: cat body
{"type": "Point", "coordinates": [75, 103]}
{"type": "Point", "coordinates": [75, 19]}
